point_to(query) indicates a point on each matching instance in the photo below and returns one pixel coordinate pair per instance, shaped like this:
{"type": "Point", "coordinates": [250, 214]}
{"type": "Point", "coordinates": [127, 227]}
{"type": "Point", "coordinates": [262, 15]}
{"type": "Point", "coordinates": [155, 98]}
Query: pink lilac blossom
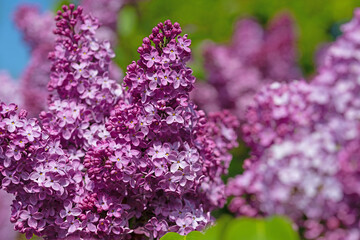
{"type": "Point", "coordinates": [35, 28]}
{"type": "Point", "coordinates": [9, 89]}
{"type": "Point", "coordinates": [305, 152]}
{"type": "Point", "coordinates": [254, 58]}
{"type": "Point", "coordinates": [109, 161]}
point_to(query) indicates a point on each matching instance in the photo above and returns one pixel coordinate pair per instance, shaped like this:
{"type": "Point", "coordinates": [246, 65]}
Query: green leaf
{"type": "Point", "coordinates": [195, 236]}
{"type": "Point", "coordinates": [244, 229]}
{"type": "Point", "coordinates": [217, 231]}
{"type": "Point", "coordinates": [273, 228]}
{"type": "Point", "coordinates": [172, 236]}
{"type": "Point", "coordinates": [280, 228]}
{"type": "Point", "coordinates": [127, 21]}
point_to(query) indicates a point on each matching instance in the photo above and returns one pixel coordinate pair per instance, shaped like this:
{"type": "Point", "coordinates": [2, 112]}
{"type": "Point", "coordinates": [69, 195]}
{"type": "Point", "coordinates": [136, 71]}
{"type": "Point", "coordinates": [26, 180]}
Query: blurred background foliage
{"type": "Point", "coordinates": [213, 20]}
{"type": "Point", "coordinates": [227, 228]}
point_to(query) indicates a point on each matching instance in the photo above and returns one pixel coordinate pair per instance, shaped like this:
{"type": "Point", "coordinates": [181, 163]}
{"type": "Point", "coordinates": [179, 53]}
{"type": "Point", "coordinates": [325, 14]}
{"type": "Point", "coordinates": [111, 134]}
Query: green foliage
{"type": "Point", "coordinates": [273, 228]}
{"type": "Point", "coordinates": [214, 20]}
{"type": "Point", "coordinates": [58, 4]}
{"type": "Point", "coordinates": [22, 237]}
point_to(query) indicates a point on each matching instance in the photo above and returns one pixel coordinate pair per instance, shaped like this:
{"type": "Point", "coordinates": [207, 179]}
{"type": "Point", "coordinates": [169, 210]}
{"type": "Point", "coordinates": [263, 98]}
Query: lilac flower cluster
{"type": "Point", "coordinates": [82, 92]}
{"type": "Point", "coordinates": [35, 170]}
{"type": "Point", "coordinates": [109, 161]}
{"type": "Point", "coordinates": [163, 163]}
{"type": "Point", "coordinates": [305, 139]}
{"type": "Point", "coordinates": [45, 176]}
{"type": "Point", "coordinates": [253, 59]}
{"type": "Point", "coordinates": [35, 28]}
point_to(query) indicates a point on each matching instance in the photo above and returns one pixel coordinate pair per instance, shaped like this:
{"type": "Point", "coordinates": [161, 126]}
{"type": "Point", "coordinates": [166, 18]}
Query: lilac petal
{"type": "Point", "coordinates": [174, 167]}
{"type": "Point", "coordinates": [179, 119]}
{"type": "Point", "coordinates": [170, 119]}
{"type": "Point", "coordinates": [38, 215]}
{"type": "Point", "coordinates": [72, 228]}
{"type": "Point", "coordinates": [32, 222]}
{"type": "Point", "coordinates": [24, 215]}
{"type": "Point", "coordinates": [5, 182]}
{"type": "Point", "coordinates": [76, 211]}
{"type": "Point", "coordinates": [91, 227]}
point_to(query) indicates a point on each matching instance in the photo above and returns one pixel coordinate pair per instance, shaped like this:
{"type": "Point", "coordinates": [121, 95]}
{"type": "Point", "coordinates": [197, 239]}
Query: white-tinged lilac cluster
{"type": "Point", "coordinates": [305, 160]}
{"type": "Point", "coordinates": [279, 111]}
{"type": "Point", "coordinates": [161, 168]}
{"type": "Point", "coordinates": [254, 58]}
{"type": "Point", "coordinates": [36, 171]}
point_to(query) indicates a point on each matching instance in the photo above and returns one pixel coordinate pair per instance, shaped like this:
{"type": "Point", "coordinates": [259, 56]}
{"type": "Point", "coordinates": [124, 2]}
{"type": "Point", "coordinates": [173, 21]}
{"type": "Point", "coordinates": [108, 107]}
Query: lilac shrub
{"type": "Point", "coordinates": [254, 58]}
{"type": "Point", "coordinates": [110, 161]}
{"type": "Point", "coordinates": [304, 138]}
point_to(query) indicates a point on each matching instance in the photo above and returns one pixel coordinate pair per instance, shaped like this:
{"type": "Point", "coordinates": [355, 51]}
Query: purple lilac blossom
{"type": "Point", "coordinates": [254, 58]}
{"type": "Point", "coordinates": [33, 84]}
{"type": "Point", "coordinates": [160, 147]}
{"type": "Point", "coordinates": [305, 140]}
{"type": "Point", "coordinates": [46, 176]}
{"type": "Point", "coordinates": [109, 161]}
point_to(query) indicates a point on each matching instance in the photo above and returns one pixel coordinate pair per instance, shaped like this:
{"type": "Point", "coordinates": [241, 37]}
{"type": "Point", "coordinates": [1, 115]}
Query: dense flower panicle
{"type": "Point", "coordinates": [308, 167]}
{"type": "Point", "coordinates": [254, 58]}
{"type": "Point", "coordinates": [109, 161]}
{"type": "Point", "coordinates": [279, 111]}
{"type": "Point", "coordinates": [44, 175]}
{"type": "Point", "coordinates": [83, 94]}
{"type": "Point", "coordinates": [163, 162]}
{"type": "Point", "coordinates": [36, 171]}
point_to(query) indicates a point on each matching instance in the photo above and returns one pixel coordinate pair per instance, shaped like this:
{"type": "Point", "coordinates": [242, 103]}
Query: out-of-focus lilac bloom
{"type": "Point", "coordinates": [6, 227]}
{"type": "Point", "coordinates": [254, 58]}
{"type": "Point", "coordinates": [304, 139]}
